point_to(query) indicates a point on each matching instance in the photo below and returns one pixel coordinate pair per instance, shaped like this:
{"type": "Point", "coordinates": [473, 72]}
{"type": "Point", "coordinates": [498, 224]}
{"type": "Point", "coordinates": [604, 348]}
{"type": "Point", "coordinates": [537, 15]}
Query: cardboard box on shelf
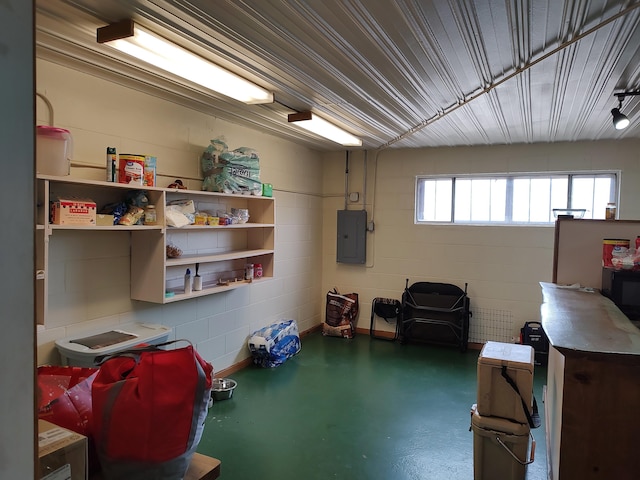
{"type": "Point", "coordinates": [62, 453]}
{"type": "Point", "coordinates": [104, 220]}
{"type": "Point", "coordinates": [73, 212]}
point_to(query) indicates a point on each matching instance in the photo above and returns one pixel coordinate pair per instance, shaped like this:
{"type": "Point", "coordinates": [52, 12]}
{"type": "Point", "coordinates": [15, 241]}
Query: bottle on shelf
{"type": "Point", "coordinates": [610, 213]}
{"type": "Point", "coordinates": [197, 280]}
{"type": "Point", "coordinates": [112, 160]}
{"type": "Point", "coordinates": [187, 282]}
{"type": "Point", "coordinates": [248, 271]}
{"type": "Point", "coordinates": [150, 217]}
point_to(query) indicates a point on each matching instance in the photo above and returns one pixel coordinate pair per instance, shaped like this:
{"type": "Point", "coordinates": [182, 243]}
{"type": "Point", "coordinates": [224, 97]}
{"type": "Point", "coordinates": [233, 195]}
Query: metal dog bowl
{"type": "Point", "coordinates": [222, 388]}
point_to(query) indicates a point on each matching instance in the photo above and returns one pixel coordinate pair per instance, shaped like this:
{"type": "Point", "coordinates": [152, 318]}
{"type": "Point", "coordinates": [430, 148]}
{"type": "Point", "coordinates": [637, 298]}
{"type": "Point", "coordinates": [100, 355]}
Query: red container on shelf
{"type": "Point", "coordinates": [613, 247]}
{"type": "Point", "coordinates": [257, 270]}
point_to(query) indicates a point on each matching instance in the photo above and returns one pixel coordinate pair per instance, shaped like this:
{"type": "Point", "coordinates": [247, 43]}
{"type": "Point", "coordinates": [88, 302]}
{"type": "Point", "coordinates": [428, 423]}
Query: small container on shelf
{"type": "Point", "coordinates": [248, 271]}
{"type": "Point", "coordinates": [187, 282]}
{"type": "Point", "coordinates": [257, 270]}
{"type": "Point", "coordinates": [150, 217]}
{"type": "Point", "coordinates": [610, 213]}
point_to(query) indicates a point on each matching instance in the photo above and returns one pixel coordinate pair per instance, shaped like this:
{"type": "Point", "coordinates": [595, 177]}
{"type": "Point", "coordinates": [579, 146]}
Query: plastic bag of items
{"type": "Point", "coordinates": [274, 344]}
{"type": "Point", "coordinates": [236, 171]}
{"type": "Point", "coordinates": [341, 314]}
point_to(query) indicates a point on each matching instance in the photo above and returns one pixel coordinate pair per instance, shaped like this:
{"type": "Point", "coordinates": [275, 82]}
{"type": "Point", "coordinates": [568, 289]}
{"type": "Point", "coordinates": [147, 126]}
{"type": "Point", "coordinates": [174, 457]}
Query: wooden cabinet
{"type": "Point", "coordinates": [593, 386]}
{"type": "Point", "coordinates": [220, 253]}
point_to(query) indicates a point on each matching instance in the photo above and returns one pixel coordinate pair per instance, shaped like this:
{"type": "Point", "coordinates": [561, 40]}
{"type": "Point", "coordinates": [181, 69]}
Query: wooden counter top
{"type": "Point", "coordinates": [593, 387]}
{"type": "Point", "coordinates": [586, 321]}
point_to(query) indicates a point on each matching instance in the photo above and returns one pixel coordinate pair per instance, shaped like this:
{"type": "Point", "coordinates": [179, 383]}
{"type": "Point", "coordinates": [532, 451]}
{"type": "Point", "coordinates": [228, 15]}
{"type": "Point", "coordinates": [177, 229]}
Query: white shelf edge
{"type": "Point", "coordinates": [128, 186]}
{"type": "Point", "coordinates": [219, 257]}
{"type": "Point", "coordinates": [211, 290]}
{"type": "Point", "coordinates": [221, 227]}
{"type": "Point", "coordinates": [92, 228]}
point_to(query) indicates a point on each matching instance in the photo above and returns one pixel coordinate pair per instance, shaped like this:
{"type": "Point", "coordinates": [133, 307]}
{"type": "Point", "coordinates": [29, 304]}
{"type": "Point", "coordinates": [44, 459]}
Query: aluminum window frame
{"type": "Point", "coordinates": [419, 200]}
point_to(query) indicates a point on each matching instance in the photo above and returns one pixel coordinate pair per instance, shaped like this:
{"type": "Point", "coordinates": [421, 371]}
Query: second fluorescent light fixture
{"type": "Point", "coordinates": [320, 126]}
{"type": "Point", "coordinates": [141, 43]}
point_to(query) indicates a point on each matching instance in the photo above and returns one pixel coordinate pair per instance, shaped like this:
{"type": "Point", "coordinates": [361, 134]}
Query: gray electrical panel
{"type": "Point", "coordinates": [352, 236]}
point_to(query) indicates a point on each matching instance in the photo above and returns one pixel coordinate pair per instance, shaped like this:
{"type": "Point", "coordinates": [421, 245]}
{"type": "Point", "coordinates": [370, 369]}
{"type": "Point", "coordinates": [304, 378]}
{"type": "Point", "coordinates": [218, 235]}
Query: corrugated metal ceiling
{"type": "Point", "coordinates": [402, 73]}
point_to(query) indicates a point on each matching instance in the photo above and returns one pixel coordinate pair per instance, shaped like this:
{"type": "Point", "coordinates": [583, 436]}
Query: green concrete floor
{"type": "Point", "coordinates": [361, 409]}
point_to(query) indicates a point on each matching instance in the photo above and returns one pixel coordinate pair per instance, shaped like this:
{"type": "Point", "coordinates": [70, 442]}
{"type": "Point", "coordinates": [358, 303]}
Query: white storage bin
{"type": "Point", "coordinates": [496, 398]}
{"type": "Point", "coordinates": [81, 351]}
{"type": "Point", "coordinates": [54, 147]}
{"type": "Point", "coordinates": [500, 448]}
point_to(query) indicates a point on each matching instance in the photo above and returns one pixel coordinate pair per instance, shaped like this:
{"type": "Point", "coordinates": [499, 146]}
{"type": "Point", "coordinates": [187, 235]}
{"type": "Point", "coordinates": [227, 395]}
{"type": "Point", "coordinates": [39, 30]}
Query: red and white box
{"type": "Point", "coordinates": [73, 212]}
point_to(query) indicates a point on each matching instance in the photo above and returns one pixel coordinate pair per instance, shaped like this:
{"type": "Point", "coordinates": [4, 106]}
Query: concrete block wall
{"type": "Point", "coordinates": [502, 265]}
{"type": "Point", "coordinates": [89, 271]}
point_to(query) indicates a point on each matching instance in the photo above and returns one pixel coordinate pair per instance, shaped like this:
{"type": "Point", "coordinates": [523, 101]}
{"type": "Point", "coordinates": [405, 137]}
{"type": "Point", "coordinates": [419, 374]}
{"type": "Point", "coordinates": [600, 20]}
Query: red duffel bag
{"type": "Point", "coordinates": [149, 407]}
{"type": "Point", "coordinates": [65, 396]}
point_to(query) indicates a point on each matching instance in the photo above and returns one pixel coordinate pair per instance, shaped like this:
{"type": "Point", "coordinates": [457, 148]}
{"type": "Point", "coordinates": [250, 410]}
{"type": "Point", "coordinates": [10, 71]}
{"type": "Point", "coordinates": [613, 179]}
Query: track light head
{"type": "Point", "coordinates": [620, 121]}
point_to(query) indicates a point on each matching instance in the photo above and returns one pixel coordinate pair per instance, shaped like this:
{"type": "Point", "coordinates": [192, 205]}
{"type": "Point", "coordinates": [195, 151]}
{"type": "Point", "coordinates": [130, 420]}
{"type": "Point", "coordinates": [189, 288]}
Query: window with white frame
{"type": "Point", "coordinates": [509, 199]}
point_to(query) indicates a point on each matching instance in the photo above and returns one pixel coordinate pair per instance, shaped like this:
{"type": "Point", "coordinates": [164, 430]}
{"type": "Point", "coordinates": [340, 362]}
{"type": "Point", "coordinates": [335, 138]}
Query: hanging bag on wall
{"type": "Point", "coordinates": [341, 314]}
{"type": "Point", "coordinates": [149, 407]}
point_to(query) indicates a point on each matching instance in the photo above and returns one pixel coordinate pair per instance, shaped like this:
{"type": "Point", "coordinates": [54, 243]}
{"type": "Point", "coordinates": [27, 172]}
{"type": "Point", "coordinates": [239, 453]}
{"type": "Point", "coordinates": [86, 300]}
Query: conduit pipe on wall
{"type": "Point", "coordinates": [49, 107]}
{"type": "Point", "coordinates": [346, 179]}
{"type": "Point", "coordinates": [364, 183]}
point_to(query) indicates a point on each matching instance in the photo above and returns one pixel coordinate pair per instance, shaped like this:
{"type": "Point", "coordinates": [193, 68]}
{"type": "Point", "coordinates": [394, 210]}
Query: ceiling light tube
{"type": "Point", "coordinates": [320, 126]}
{"type": "Point", "coordinates": [144, 45]}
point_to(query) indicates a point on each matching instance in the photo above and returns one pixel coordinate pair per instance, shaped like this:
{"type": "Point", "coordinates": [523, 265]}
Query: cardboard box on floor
{"type": "Point", "coordinates": [62, 453]}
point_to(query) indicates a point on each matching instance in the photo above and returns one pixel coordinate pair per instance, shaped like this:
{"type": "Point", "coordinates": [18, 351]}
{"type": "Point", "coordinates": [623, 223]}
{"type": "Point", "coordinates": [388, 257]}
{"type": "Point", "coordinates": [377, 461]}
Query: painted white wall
{"type": "Point", "coordinates": [100, 114]}
{"type": "Point", "coordinates": [17, 403]}
{"type": "Point", "coordinates": [502, 265]}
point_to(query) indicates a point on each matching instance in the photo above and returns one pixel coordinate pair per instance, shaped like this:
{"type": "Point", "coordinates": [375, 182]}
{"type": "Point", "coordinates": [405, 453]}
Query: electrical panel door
{"type": "Point", "coordinates": [352, 236]}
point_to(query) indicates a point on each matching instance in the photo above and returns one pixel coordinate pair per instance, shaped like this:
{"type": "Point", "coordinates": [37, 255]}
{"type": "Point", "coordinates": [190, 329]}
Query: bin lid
{"type": "Point", "coordinates": [111, 341]}
{"type": "Point", "coordinates": [53, 132]}
{"type": "Point", "coordinates": [497, 424]}
{"type": "Point", "coordinates": [512, 355]}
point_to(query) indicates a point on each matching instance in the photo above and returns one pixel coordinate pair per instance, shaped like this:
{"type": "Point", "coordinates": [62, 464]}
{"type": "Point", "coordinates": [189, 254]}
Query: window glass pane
{"type": "Point", "coordinates": [540, 200]}
{"type": "Point", "coordinates": [521, 196]}
{"type": "Point", "coordinates": [436, 200]}
{"type": "Point", "coordinates": [480, 200]}
{"type": "Point", "coordinates": [559, 193]}
{"type": "Point", "coordinates": [582, 195]}
{"type": "Point", "coordinates": [602, 194]}
{"type": "Point", "coordinates": [463, 200]}
{"type": "Point", "coordinates": [498, 199]}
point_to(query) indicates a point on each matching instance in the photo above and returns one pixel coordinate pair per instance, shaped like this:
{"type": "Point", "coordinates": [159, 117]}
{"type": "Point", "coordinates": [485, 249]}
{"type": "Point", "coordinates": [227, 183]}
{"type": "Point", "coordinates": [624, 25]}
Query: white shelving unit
{"type": "Point", "coordinates": [218, 252]}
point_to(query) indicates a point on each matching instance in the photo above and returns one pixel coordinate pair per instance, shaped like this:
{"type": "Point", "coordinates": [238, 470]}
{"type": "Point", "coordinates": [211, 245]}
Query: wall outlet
{"type": "Point", "coordinates": [354, 196]}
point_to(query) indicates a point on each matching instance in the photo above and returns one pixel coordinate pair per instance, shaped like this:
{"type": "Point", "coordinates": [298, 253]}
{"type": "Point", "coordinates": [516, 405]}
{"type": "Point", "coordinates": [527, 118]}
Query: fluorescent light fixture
{"type": "Point", "coordinates": [320, 126]}
{"type": "Point", "coordinates": [144, 45]}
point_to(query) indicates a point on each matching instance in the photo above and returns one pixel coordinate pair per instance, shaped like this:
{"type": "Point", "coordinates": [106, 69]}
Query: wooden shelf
{"type": "Point", "coordinates": [152, 274]}
{"type": "Point", "coordinates": [92, 228]}
{"type": "Point", "coordinates": [217, 257]}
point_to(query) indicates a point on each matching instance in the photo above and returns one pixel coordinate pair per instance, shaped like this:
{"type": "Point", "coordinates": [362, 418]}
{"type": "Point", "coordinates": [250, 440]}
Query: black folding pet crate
{"type": "Point", "coordinates": [435, 313]}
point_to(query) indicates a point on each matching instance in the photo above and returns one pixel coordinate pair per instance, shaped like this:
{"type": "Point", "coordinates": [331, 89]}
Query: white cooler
{"type": "Point", "coordinates": [82, 351]}
{"type": "Point", "coordinates": [496, 398]}
{"type": "Point", "coordinates": [500, 448]}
